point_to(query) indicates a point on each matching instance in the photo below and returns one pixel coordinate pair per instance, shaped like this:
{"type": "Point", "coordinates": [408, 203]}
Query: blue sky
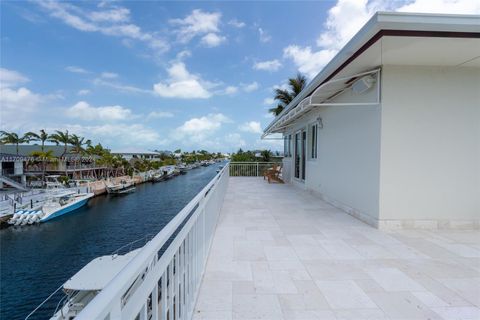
{"type": "Point", "coordinates": [167, 75]}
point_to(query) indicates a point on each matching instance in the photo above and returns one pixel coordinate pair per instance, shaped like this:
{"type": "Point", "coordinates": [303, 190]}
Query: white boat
{"type": "Point", "coordinates": [62, 203]}
{"type": "Point", "coordinates": [57, 204]}
{"type": "Point", "coordinates": [122, 187]}
{"type": "Point", "coordinates": [88, 282]}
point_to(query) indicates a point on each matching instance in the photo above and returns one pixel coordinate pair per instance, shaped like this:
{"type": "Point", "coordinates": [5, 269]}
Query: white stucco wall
{"type": "Point", "coordinates": [430, 146]}
{"type": "Point", "coordinates": [346, 171]}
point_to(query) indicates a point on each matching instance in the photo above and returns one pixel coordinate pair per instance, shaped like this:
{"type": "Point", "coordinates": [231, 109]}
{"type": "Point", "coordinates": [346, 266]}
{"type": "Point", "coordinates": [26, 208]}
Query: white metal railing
{"type": "Point", "coordinates": [249, 169]}
{"type": "Point", "coordinates": [163, 279]}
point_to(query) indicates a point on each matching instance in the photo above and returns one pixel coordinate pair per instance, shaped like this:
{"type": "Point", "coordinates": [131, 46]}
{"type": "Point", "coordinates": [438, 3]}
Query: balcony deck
{"type": "Point", "coordinates": [281, 253]}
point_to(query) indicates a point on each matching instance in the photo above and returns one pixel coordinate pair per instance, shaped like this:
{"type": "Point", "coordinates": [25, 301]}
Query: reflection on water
{"type": "Point", "coordinates": [35, 260]}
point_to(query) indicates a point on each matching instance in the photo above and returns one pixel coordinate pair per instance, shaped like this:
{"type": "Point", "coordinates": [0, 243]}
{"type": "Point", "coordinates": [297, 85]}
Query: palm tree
{"type": "Point", "coordinates": [13, 138]}
{"type": "Point", "coordinates": [96, 150]}
{"type": "Point", "coordinates": [285, 96]}
{"type": "Point", "coordinates": [43, 136]}
{"type": "Point", "coordinates": [44, 157]}
{"type": "Point", "coordinates": [61, 137]}
{"type": "Point", "coordinates": [266, 155]}
{"type": "Point", "coordinates": [78, 143]}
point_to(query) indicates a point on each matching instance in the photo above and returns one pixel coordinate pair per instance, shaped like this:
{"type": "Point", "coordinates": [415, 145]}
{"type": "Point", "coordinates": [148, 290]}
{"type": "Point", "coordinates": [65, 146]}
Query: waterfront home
{"type": "Point", "coordinates": [245, 249]}
{"type": "Point", "coordinates": [72, 164]}
{"type": "Point", "coordinates": [138, 154]}
{"type": "Point", "coordinates": [389, 130]}
{"type": "Point", "coordinates": [12, 169]}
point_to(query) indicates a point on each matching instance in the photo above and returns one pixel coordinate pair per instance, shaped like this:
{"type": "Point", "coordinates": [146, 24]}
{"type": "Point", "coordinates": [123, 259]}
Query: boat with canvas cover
{"type": "Point", "coordinates": [87, 283]}
{"type": "Point", "coordinates": [123, 187]}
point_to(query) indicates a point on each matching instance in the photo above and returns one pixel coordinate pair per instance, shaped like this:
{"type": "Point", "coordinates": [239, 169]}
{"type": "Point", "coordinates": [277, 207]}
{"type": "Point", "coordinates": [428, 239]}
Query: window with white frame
{"type": "Point", "coordinates": [287, 145]}
{"type": "Point", "coordinates": [313, 141]}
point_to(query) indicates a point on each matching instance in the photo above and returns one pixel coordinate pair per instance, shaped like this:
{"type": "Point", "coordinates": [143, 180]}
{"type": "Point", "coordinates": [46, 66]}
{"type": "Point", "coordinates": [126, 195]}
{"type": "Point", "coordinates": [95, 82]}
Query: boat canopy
{"type": "Point", "coordinates": [98, 272]}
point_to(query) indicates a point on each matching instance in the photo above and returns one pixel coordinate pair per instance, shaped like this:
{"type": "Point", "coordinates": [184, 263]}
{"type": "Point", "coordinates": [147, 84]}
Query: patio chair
{"type": "Point", "coordinates": [274, 174]}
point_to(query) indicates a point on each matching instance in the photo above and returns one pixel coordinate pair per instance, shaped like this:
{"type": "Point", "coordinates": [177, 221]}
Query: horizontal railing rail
{"type": "Point", "coordinates": [163, 279]}
{"type": "Point", "coordinates": [250, 169]}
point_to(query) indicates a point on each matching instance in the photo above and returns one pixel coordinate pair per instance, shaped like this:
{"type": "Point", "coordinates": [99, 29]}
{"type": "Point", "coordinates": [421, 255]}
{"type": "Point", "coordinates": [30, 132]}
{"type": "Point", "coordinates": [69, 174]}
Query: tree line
{"type": "Point", "coordinates": [101, 156]}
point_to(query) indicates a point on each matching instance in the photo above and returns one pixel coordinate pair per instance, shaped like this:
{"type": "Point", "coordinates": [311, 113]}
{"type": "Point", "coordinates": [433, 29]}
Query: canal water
{"type": "Point", "coordinates": [36, 260]}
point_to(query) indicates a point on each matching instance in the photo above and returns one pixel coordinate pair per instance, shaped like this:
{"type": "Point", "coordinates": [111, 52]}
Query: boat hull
{"type": "Point", "coordinates": [122, 191]}
{"type": "Point", "coordinates": [66, 209]}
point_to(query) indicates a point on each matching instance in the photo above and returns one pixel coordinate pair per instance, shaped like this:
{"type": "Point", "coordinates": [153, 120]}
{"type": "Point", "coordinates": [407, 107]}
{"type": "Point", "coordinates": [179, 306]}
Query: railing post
{"type": "Point", "coordinates": [257, 169]}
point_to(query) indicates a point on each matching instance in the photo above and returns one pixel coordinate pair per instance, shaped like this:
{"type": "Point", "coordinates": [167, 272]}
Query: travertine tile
{"type": "Point", "coordinates": [344, 294]}
{"type": "Point", "coordinates": [258, 306]}
{"type": "Point", "coordinates": [458, 313]}
{"type": "Point", "coordinates": [361, 314]}
{"type": "Point", "coordinates": [402, 305]}
{"type": "Point", "coordinates": [281, 253]}
{"type": "Point", "coordinates": [392, 279]}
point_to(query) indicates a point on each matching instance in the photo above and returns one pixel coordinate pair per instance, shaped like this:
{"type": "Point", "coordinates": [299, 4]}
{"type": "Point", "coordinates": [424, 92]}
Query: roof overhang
{"type": "Point", "coordinates": [395, 38]}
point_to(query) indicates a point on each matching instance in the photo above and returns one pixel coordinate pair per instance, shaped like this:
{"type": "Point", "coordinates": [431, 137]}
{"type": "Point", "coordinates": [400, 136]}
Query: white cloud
{"type": "Point", "coordinates": [109, 75]}
{"type": "Point", "coordinates": [271, 65]}
{"type": "Point", "coordinates": [75, 69]}
{"type": "Point", "coordinates": [199, 23]}
{"type": "Point", "coordinates": [21, 106]}
{"type": "Point", "coordinates": [18, 99]}
{"type": "Point", "coordinates": [110, 22]}
{"type": "Point", "coordinates": [83, 92]}
{"type": "Point", "coordinates": [118, 135]}
{"type": "Point", "coordinates": [11, 78]}
{"type": "Point", "coordinates": [268, 101]}
{"type": "Point", "coordinates": [344, 20]}
{"type": "Point", "coordinates": [235, 141]}
{"type": "Point", "coordinates": [159, 115]}
{"type": "Point", "coordinates": [120, 87]}
{"type": "Point", "coordinates": [198, 130]}
{"type": "Point", "coordinates": [236, 23]}
{"type": "Point", "coordinates": [182, 84]}
{"type": "Point", "coordinates": [282, 86]}
{"type": "Point", "coordinates": [183, 54]}
{"type": "Point", "coordinates": [347, 17]}
{"type": "Point", "coordinates": [251, 127]}
{"type": "Point", "coordinates": [231, 90]}
{"type": "Point", "coordinates": [308, 62]}
{"type": "Point", "coordinates": [249, 87]}
{"type": "Point", "coordinates": [212, 40]}
{"type": "Point", "coordinates": [442, 6]}
{"type": "Point", "coordinates": [264, 36]}
{"type": "Point", "coordinates": [83, 111]}
{"type": "Point", "coordinates": [113, 15]}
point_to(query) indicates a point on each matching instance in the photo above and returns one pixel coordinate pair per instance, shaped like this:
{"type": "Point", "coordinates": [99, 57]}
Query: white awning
{"type": "Point", "coordinates": [323, 96]}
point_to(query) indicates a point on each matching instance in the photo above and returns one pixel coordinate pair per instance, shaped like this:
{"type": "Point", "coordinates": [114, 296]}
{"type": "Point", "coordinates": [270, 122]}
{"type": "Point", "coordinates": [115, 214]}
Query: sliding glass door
{"type": "Point", "coordinates": [304, 152]}
{"type": "Point", "coordinates": [300, 152]}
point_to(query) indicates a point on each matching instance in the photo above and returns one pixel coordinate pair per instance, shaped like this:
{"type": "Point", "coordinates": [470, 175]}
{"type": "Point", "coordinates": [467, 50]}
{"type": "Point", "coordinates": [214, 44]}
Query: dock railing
{"type": "Point", "coordinates": [249, 169]}
{"type": "Point", "coordinates": [163, 279]}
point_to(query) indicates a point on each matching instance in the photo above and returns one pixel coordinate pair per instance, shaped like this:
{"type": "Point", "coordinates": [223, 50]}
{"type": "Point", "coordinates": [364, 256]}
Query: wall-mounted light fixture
{"type": "Point", "coordinates": [320, 123]}
{"type": "Point", "coordinates": [363, 84]}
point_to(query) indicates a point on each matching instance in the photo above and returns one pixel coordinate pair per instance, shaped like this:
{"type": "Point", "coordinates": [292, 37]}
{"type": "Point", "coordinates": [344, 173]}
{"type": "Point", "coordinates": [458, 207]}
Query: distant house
{"type": "Point", "coordinates": [72, 164]}
{"type": "Point", "coordinates": [389, 130]}
{"type": "Point", "coordinates": [137, 154]}
{"type": "Point", "coordinates": [12, 169]}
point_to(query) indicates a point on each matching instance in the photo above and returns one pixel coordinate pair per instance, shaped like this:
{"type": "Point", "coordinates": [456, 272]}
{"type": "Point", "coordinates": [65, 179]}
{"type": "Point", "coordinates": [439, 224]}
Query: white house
{"type": "Point", "coordinates": [389, 130]}
{"type": "Point", "coordinates": [137, 154]}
